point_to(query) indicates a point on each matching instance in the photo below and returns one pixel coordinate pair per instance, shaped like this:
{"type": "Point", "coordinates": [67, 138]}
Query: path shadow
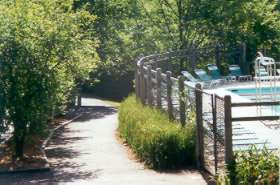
{"type": "Point", "coordinates": [64, 136]}
{"type": "Point", "coordinates": [63, 170]}
{"type": "Point", "coordinates": [52, 177]}
{"type": "Point", "coordinates": [95, 112]}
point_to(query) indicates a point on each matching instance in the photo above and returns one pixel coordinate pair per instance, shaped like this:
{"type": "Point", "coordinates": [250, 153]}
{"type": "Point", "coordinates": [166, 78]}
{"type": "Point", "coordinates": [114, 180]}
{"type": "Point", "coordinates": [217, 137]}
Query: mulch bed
{"type": "Point", "coordinates": [34, 155]}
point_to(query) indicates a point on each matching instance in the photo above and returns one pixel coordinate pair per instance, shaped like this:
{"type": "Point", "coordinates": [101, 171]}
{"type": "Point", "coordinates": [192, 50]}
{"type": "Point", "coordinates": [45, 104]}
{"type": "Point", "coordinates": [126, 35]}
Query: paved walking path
{"type": "Point", "coordinates": [87, 152]}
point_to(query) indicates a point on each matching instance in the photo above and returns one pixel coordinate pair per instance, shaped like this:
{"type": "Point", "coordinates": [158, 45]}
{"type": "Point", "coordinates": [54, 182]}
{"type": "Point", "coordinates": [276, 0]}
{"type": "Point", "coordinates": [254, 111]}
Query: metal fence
{"type": "Point", "coordinates": [181, 101]}
{"type": "Point", "coordinates": [161, 90]}
{"type": "Point", "coordinates": [157, 86]}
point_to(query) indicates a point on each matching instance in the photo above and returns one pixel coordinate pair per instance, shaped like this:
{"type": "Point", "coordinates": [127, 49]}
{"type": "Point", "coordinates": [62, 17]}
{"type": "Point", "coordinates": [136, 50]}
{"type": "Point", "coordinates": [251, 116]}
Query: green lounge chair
{"type": "Point", "coordinates": [216, 74]}
{"type": "Point", "coordinates": [236, 71]}
{"type": "Point", "coordinates": [214, 71]}
{"type": "Point", "coordinates": [206, 79]}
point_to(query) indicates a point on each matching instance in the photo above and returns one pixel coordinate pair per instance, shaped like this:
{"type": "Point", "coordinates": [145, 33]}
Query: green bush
{"type": "Point", "coordinates": [46, 48]}
{"type": "Point", "coordinates": [253, 167]}
{"type": "Point", "coordinates": [161, 144]}
{"type": "Point", "coordinates": [257, 167]}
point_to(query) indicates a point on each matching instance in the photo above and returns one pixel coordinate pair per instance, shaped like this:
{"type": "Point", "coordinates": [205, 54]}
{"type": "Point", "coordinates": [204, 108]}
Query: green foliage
{"type": "Point", "coordinates": [123, 37]}
{"type": "Point", "coordinates": [160, 143]}
{"type": "Point", "coordinates": [254, 22]}
{"type": "Point", "coordinates": [130, 28]}
{"type": "Point", "coordinates": [45, 48]}
{"type": "Point", "coordinates": [223, 179]}
{"type": "Point", "coordinates": [253, 167]}
{"type": "Point", "coordinates": [260, 167]}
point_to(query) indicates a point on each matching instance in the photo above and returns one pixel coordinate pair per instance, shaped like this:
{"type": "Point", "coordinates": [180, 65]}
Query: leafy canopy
{"type": "Point", "coordinates": [45, 48]}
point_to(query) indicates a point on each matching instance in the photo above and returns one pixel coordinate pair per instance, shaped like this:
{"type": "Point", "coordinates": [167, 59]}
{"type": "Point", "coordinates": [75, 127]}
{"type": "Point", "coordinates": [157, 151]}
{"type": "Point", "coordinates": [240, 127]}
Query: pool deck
{"type": "Point", "coordinates": [250, 132]}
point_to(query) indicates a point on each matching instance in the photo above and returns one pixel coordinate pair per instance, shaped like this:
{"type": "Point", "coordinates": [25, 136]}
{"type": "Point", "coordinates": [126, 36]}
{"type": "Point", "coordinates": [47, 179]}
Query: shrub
{"type": "Point", "coordinates": [161, 144]}
{"type": "Point", "coordinates": [257, 167]}
{"type": "Point", "coordinates": [45, 48]}
{"type": "Point", "coordinates": [253, 167]}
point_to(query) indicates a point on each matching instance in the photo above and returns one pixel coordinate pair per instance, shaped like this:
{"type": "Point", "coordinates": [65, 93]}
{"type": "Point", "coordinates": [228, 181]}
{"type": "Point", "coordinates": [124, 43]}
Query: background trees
{"type": "Point", "coordinates": [127, 29]}
{"type": "Point", "coordinates": [45, 47]}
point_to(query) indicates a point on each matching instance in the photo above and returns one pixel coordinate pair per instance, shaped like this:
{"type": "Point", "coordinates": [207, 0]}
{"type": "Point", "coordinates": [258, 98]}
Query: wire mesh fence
{"type": "Point", "coordinates": [156, 86]}
{"type": "Point", "coordinates": [189, 98]}
{"type": "Point", "coordinates": [219, 131]}
{"type": "Point", "coordinates": [209, 136]}
{"type": "Point", "coordinates": [175, 98]}
{"type": "Point", "coordinates": [179, 100]}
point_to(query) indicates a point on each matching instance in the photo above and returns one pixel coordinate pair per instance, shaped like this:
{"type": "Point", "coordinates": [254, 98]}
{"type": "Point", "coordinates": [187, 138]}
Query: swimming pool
{"type": "Point", "coordinates": [250, 94]}
{"type": "Point", "coordinates": [253, 91]}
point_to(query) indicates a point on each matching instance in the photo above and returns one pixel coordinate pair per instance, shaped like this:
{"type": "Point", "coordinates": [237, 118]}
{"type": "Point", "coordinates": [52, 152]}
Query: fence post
{"type": "Point", "coordinates": [199, 127]}
{"type": "Point", "coordinates": [149, 86]}
{"type": "Point", "coordinates": [158, 76]}
{"type": "Point", "coordinates": [169, 95]}
{"type": "Point", "coordinates": [182, 102]}
{"type": "Point", "coordinates": [142, 83]}
{"type": "Point", "coordinates": [214, 114]}
{"type": "Point", "coordinates": [228, 130]}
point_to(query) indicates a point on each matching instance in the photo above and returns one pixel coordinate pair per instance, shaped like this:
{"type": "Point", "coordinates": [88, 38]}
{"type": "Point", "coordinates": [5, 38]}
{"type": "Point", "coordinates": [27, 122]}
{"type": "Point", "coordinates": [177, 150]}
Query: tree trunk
{"type": "Point", "coordinates": [19, 140]}
{"type": "Point", "coordinates": [181, 29]}
{"type": "Point", "coordinates": [19, 145]}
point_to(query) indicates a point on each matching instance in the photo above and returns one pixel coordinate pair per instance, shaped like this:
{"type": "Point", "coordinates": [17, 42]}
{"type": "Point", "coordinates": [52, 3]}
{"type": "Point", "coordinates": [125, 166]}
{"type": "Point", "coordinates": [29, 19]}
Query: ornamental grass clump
{"type": "Point", "coordinates": [160, 143]}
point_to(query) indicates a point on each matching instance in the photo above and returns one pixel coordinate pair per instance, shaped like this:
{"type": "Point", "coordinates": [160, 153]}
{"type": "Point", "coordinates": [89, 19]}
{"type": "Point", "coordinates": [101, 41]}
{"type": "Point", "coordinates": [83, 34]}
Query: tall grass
{"type": "Point", "coordinates": [161, 144]}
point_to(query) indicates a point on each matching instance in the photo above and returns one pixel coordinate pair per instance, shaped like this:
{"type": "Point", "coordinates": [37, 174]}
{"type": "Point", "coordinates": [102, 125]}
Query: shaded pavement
{"type": "Point", "coordinates": [87, 152]}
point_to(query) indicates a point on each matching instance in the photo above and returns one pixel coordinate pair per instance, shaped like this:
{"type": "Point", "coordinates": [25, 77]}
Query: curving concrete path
{"type": "Point", "coordinates": [87, 152]}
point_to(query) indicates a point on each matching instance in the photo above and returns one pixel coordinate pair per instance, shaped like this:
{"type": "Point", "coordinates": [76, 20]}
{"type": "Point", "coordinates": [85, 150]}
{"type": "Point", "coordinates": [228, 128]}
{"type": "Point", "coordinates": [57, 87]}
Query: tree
{"type": "Point", "coordinates": [122, 39]}
{"type": "Point", "coordinates": [45, 47]}
{"type": "Point", "coordinates": [130, 28]}
{"type": "Point", "coordinates": [254, 22]}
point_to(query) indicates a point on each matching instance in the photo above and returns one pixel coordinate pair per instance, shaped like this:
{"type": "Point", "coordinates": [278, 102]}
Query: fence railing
{"type": "Point", "coordinates": [213, 118]}
{"type": "Point", "coordinates": [157, 87]}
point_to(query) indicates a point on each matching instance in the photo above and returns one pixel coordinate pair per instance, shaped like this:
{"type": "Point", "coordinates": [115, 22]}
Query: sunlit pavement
{"type": "Point", "coordinates": [87, 152]}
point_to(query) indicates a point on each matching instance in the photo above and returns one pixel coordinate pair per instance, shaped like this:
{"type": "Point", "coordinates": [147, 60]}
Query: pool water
{"type": "Point", "coordinates": [250, 93]}
{"type": "Point", "coordinates": [253, 91]}
{"type": "Point", "coordinates": [267, 132]}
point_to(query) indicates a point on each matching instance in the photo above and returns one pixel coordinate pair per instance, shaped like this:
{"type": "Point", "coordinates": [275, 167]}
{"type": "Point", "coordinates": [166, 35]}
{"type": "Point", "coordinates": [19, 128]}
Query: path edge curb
{"type": "Point", "coordinates": [42, 149]}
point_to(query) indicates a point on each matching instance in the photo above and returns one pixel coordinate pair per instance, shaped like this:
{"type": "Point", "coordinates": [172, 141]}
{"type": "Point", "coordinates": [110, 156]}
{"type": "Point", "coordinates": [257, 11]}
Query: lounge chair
{"type": "Point", "coordinates": [236, 71]}
{"type": "Point", "coordinates": [216, 74]}
{"type": "Point", "coordinates": [203, 76]}
{"type": "Point", "coordinates": [189, 76]}
{"type": "Point", "coordinates": [192, 81]}
{"type": "Point", "coordinates": [214, 71]}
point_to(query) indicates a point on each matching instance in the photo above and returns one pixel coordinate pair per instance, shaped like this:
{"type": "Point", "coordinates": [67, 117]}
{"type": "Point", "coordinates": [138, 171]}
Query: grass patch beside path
{"type": "Point", "coordinates": [161, 144]}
